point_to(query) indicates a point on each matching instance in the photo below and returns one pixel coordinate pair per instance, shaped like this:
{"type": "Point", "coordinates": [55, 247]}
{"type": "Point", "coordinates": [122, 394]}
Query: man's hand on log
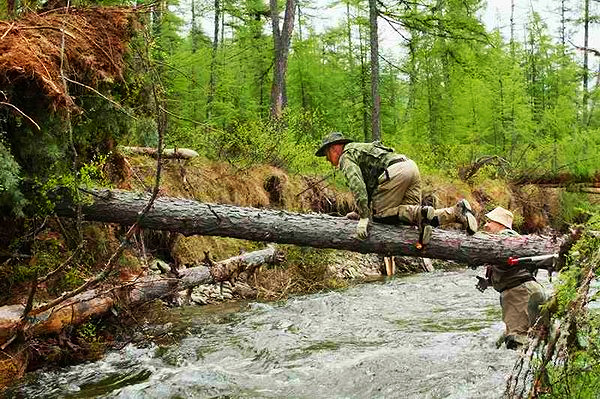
{"type": "Point", "coordinates": [362, 228]}
{"type": "Point", "coordinates": [482, 283]}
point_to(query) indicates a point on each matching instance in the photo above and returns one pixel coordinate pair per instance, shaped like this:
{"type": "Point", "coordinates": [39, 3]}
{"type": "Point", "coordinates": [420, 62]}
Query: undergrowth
{"type": "Point", "coordinates": [306, 270]}
{"type": "Point", "coordinates": [574, 371]}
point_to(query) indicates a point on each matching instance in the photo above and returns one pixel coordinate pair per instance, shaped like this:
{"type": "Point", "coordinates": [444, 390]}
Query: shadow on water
{"type": "Point", "coordinates": [422, 336]}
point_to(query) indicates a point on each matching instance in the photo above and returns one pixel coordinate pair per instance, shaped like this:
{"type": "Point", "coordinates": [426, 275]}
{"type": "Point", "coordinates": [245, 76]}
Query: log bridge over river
{"type": "Point", "coordinates": [190, 217]}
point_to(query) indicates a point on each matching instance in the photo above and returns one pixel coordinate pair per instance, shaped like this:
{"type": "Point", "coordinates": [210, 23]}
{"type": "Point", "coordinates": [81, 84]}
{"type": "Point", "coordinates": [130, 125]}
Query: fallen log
{"type": "Point", "coordinates": [80, 308]}
{"type": "Point", "coordinates": [555, 180]}
{"type": "Point", "coordinates": [190, 217]}
{"type": "Point", "coordinates": [174, 153]}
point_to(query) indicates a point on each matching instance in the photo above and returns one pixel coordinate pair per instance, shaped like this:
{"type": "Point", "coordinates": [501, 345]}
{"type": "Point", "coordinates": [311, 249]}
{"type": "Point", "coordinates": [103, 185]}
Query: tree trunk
{"type": "Point", "coordinates": [10, 8]}
{"type": "Point", "coordinates": [95, 302]}
{"type": "Point", "coordinates": [190, 217]}
{"type": "Point", "coordinates": [363, 86]}
{"type": "Point", "coordinates": [374, 40]}
{"type": "Point", "coordinates": [512, 29]}
{"type": "Point", "coordinates": [281, 41]}
{"type": "Point", "coordinates": [171, 153]}
{"type": "Point", "coordinates": [212, 80]}
{"type": "Point", "coordinates": [586, 70]}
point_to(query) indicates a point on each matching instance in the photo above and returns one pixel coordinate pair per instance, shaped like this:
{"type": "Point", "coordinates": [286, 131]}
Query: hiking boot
{"type": "Point", "coordinates": [466, 216]}
{"type": "Point", "coordinates": [426, 220]}
{"type": "Point", "coordinates": [515, 342]}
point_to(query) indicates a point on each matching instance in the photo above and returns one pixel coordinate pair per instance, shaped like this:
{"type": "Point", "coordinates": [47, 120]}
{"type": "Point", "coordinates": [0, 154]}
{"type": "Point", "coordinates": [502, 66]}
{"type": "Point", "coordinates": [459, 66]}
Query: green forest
{"type": "Point", "coordinates": [506, 117]}
{"type": "Point", "coordinates": [450, 93]}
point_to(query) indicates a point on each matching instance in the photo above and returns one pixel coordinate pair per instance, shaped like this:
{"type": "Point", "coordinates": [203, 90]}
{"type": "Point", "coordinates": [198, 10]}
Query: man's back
{"type": "Point", "coordinates": [366, 162]}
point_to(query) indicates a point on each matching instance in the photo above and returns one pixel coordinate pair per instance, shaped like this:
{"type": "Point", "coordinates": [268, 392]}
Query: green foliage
{"type": "Point", "coordinates": [46, 254]}
{"type": "Point", "coordinates": [580, 377]}
{"type": "Point", "coordinates": [88, 331]}
{"type": "Point", "coordinates": [583, 254]}
{"type": "Point", "coordinates": [575, 208]}
{"type": "Point", "coordinates": [457, 94]}
{"type": "Point", "coordinates": [11, 197]}
{"type": "Point", "coordinates": [56, 187]}
{"type": "Point", "coordinates": [579, 374]}
{"type": "Point", "coordinates": [310, 269]}
{"type": "Point", "coordinates": [246, 143]}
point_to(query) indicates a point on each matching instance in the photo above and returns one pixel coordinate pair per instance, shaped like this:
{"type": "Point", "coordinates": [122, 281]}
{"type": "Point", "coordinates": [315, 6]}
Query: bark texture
{"type": "Point", "coordinates": [374, 41]}
{"type": "Point", "coordinates": [281, 40]}
{"type": "Point", "coordinates": [190, 217]}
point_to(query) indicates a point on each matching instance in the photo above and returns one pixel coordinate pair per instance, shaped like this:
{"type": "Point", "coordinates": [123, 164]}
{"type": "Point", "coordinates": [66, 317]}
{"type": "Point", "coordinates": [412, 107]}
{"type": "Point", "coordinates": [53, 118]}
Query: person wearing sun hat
{"type": "Point", "coordinates": [500, 220]}
{"type": "Point", "coordinates": [520, 294]}
{"type": "Point", "coordinates": [387, 187]}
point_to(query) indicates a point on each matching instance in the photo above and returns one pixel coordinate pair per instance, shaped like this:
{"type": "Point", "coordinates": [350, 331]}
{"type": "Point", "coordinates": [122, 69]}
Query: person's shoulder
{"type": "Point", "coordinates": [355, 146]}
{"type": "Point", "coordinates": [482, 234]}
{"type": "Point", "coordinates": [504, 233]}
{"type": "Point", "coordinates": [353, 151]}
{"type": "Point", "coordinates": [509, 233]}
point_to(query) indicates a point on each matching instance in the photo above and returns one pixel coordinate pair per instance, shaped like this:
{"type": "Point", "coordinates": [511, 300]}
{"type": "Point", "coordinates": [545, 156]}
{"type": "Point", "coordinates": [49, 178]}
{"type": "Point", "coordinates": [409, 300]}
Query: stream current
{"type": "Point", "coordinates": [430, 335]}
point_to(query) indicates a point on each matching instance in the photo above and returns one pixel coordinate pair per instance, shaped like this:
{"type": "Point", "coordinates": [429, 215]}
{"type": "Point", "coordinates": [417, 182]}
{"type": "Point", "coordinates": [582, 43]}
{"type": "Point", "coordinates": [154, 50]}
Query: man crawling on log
{"type": "Point", "coordinates": [387, 188]}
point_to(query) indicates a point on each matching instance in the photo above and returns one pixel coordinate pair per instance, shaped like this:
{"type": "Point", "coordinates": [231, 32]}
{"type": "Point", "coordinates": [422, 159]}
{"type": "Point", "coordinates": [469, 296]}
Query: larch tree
{"type": "Point", "coordinates": [586, 68]}
{"type": "Point", "coordinates": [213, 60]}
{"type": "Point", "coordinates": [376, 100]}
{"type": "Point", "coordinates": [281, 46]}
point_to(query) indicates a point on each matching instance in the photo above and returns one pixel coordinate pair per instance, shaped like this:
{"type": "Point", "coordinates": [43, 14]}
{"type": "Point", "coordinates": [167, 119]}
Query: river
{"type": "Point", "coordinates": [430, 335]}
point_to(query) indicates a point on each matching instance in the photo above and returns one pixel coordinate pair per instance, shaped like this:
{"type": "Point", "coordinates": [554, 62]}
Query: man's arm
{"type": "Point", "coordinates": [356, 184]}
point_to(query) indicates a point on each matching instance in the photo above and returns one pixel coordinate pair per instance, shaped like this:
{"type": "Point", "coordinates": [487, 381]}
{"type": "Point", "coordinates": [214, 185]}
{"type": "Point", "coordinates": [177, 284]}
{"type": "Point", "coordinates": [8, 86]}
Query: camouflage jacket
{"type": "Point", "coordinates": [362, 164]}
{"type": "Point", "coordinates": [504, 277]}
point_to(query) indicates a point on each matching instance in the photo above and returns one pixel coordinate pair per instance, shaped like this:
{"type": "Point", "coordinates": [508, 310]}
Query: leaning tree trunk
{"type": "Point", "coordinates": [78, 309]}
{"type": "Point", "coordinates": [95, 302]}
{"type": "Point", "coordinates": [190, 217]}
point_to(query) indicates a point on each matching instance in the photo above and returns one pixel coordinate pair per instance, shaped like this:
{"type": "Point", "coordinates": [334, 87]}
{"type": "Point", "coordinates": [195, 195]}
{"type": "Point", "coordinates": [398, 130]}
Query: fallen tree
{"type": "Point", "coordinates": [190, 217]}
{"type": "Point", "coordinates": [556, 180]}
{"type": "Point", "coordinates": [170, 153]}
{"type": "Point", "coordinates": [97, 301]}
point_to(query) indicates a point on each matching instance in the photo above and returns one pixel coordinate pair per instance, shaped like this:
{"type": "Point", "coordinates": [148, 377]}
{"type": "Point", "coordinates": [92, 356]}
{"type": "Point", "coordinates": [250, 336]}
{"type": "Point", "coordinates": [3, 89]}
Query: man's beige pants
{"type": "Point", "coordinates": [521, 309]}
{"type": "Point", "coordinates": [398, 192]}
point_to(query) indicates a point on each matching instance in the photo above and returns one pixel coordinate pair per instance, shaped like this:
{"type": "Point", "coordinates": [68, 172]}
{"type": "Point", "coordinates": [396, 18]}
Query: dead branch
{"type": "Point", "coordinates": [48, 27]}
{"type": "Point", "coordinates": [468, 171]}
{"type": "Point", "coordinates": [63, 265]}
{"type": "Point", "coordinates": [587, 49]}
{"type": "Point", "coordinates": [8, 30]}
{"type": "Point", "coordinates": [21, 113]}
{"type": "Point", "coordinates": [81, 307]}
{"type": "Point", "coordinates": [174, 153]}
{"type": "Point", "coordinates": [113, 102]}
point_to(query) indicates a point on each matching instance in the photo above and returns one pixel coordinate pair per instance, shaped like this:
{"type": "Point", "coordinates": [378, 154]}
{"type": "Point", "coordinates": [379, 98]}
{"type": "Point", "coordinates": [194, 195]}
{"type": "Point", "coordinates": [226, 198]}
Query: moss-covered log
{"type": "Point", "coordinates": [191, 217]}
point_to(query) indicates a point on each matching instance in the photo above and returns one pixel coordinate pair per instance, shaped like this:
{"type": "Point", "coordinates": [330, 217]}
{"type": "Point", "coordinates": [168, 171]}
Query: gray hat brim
{"type": "Point", "coordinates": [321, 151]}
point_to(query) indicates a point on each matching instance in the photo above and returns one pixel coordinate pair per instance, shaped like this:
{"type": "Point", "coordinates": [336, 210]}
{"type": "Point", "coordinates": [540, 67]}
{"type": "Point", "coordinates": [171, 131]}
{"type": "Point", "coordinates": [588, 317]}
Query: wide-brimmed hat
{"type": "Point", "coordinates": [331, 138]}
{"type": "Point", "coordinates": [502, 216]}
